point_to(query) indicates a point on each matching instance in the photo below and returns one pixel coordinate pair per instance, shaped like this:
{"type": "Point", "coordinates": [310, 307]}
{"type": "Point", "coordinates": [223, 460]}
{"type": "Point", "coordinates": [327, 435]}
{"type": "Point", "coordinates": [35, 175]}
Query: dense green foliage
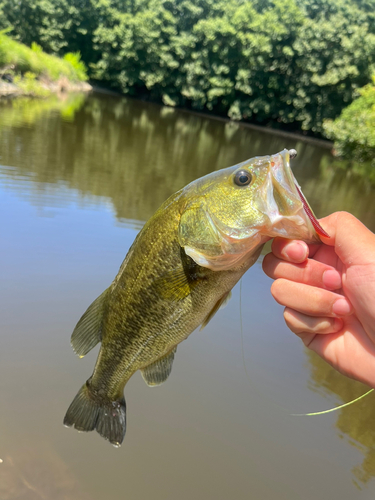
{"type": "Point", "coordinates": [354, 130]}
{"type": "Point", "coordinates": [32, 62]}
{"type": "Point", "coordinates": [295, 62]}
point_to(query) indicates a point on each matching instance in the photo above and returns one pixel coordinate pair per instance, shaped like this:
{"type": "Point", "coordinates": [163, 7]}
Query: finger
{"type": "Point", "coordinates": [349, 350]}
{"type": "Point", "coordinates": [314, 249]}
{"type": "Point", "coordinates": [302, 324]}
{"type": "Point", "coordinates": [310, 300]}
{"type": "Point", "coordinates": [310, 272]}
{"type": "Point", "coordinates": [290, 250]}
{"type": "Point", "coordinates": [325, 254]}
{"type": "Point", "coordinates": [352, 240]}
{"type": "Point", "coordinates": [295, 251]}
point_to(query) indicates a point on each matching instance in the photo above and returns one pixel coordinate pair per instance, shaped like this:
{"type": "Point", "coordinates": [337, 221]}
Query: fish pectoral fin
{"type": "Point", "coordinates": [178, 284]}
{"type": "Point", "coordinates": [87, 332]}
{"type": "Point", "coordinates": [219, 305]}
{"type": "Point", "coordinates": [156, 373]}
{"type": "Point", "coordinates": [173, 286]}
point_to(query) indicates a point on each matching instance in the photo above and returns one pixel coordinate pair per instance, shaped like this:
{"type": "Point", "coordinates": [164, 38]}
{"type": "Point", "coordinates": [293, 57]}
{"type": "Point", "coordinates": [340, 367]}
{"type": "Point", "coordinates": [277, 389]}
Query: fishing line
{"type": "Point", "coordinates": [332, 409]}
{"type": "Point", "coordinates": [241, 328]}
{"type": "Point", "coordinates": [260, 392]}
{"type": "Point", "coordinates": [277, 404]}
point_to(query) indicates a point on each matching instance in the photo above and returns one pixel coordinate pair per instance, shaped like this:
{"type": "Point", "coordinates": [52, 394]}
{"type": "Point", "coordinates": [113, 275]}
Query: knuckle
{"type": "Point", "coordinates": [277, 289]}
{"type": "Point", "coordinates": [346, 216]}
{"type": "Point", "coordinates": [307, 272]}
{"type": "Point", "coordinates": [277, 246]}
{"type": "Point", "coordinates": [288, 315]}
{"type": "Point", "coordinates": [320, 300]}
{"type": "Point", "coordinates": [267, 264]}
{"type": "Point", "coordinates": [322, 325]}
{"type": "Point", "coordinates": [291, 322]}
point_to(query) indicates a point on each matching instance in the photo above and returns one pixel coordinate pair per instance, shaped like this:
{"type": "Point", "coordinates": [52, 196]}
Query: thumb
{"type": "Point", "coordinates": [353, 241]}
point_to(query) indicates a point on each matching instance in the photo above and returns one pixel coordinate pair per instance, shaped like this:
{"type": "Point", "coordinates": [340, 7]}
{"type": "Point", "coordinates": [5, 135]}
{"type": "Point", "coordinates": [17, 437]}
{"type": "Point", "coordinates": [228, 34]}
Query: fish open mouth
{"type": "Point", "coordinates": [314, 221]}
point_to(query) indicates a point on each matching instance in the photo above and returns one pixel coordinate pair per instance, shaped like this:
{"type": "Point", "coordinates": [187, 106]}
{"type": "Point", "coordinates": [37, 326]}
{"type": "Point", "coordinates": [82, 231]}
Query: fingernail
{"type": "Point", "coordinates": [331, 279]}
{"type": "Point", "coordinates": [341, 307]}
{"type": "Point", "coordinates": [295, 251]}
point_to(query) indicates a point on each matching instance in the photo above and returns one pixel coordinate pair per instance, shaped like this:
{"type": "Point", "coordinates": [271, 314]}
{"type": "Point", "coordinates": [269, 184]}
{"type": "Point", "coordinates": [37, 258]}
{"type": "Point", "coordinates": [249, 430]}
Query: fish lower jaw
{"type": "Point", "coordinates": [290, 227]}
{"type": "Point", "coordinates": [228, 260]}
{"type": "Point", "coordinates": [221, 262]}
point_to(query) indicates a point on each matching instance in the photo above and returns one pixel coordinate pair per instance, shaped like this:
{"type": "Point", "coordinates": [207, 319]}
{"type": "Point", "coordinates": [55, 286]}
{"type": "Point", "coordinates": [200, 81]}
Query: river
{"type": "Point", "coordinates": [78, 178]}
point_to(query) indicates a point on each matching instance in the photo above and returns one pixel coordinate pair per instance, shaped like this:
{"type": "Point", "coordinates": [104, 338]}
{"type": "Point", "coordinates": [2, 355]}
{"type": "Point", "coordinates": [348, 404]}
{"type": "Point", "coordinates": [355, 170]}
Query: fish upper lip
{"type": "Point", "coordinates": [286, 163]}
{"type": "Point", "coordinates": [295, 188]}
{"type": "Point", "coordinates": [286, 177]}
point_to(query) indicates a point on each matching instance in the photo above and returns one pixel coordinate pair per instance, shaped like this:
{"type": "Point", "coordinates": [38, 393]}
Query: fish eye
{"type": "Point", "coordinates": [242, 178]}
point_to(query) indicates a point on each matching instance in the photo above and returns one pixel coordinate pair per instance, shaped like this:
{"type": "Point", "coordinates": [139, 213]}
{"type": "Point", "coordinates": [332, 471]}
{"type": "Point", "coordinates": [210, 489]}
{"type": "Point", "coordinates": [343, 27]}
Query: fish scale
{"type": "Point", "coordinates": [176, 276]}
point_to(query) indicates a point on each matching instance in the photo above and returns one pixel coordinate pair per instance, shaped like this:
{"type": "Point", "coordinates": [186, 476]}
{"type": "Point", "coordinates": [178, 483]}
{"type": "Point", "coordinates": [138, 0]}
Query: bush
{"type": "Point", "coordinates": [34, 61]}
{"type": "Point", "coordinates": [74, 59]}
{"type": "Point", "coordinates": [292, 62]}
{"type": "Point", "coordinates": [29, 86]}
{"type": "Point", "coordinates": [354, 130]}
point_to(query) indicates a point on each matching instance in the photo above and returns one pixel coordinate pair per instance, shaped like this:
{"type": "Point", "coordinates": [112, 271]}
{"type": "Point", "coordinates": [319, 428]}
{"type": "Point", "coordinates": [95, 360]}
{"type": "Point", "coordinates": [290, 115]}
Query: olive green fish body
{"type": "Point", "coordinates": [176, 275]}
{"type": "Point", "coordinates": [158, 298]}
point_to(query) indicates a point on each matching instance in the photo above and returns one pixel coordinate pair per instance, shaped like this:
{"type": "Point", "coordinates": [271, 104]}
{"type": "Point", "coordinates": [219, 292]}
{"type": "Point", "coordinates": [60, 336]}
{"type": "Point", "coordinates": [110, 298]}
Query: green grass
{"type": "Point", "coordinates": [22, 60]}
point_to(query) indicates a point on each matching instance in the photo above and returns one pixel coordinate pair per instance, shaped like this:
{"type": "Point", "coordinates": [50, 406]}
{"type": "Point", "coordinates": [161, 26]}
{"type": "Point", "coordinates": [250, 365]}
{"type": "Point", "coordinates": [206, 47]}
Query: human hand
{"type": "Point", "coordinates": [329, 293]}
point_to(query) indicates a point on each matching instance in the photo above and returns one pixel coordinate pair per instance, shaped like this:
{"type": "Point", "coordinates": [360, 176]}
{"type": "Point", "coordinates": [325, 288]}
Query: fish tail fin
{"type": "Point", "coordinates": [83, 412]}
{"type": "Point", "coordinates": [108, 417]}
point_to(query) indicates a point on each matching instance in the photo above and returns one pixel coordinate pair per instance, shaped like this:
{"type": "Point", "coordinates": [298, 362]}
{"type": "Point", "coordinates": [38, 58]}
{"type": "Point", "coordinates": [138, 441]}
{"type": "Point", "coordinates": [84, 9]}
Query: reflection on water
{"type": "Point", "coordinates": [79, 176]}
{"type": "Point", "coordinates": [35, 472]}
{"type": "Point", "coordinates": [121, 149]}
{"type": "Point", "coordinates": [27, 111]}
{"type": "Point", "coordinates": [355, 422]}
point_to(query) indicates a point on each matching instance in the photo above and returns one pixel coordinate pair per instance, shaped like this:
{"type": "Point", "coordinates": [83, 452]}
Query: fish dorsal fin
{"type": "Point", "coordinates": [87, 332]}
{"type": "Point", "coordinates": [219, 305]}
{"type": "Point", "coordinates": [159, 371]}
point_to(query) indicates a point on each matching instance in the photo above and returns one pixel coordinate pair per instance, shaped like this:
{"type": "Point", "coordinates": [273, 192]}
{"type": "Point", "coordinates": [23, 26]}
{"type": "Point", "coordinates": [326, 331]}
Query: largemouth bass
{"type": "Point", "coordinates": [177, 274]}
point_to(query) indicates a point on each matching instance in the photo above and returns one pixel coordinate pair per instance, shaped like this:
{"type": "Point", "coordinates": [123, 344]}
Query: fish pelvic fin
{"type": "Point", "coordinates": [88, 330]}
{"type": "Point", "coordinates": [108, 418]}
{"type": "Point", "coordinates": [156, 373]}
{"type": "Point", "coordinates": [222, 302]}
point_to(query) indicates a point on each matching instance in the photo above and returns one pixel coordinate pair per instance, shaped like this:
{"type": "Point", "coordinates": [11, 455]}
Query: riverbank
{"type": "Point", "coordinates": [31, 72]}
{"type": "Point", "coordinates": [298, 136]}
{"type": "Point", "coordinates": [8, 89]}
{"type": "Point", "coordinates": [324, 143]}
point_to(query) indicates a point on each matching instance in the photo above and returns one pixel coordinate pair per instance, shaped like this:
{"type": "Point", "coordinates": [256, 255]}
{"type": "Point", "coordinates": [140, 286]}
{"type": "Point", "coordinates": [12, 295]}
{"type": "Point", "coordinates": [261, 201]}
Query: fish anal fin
{"type": "Point", "coordinates": [219, 305]}
{"type": "Point", "coordinates": [156, 373]}
{"type": "Point", "coordinates": [87, 332]}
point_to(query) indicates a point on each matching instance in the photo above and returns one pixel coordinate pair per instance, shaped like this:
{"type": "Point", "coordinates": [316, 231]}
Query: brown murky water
{"type": "Point", "coordinates": [78, 177]}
